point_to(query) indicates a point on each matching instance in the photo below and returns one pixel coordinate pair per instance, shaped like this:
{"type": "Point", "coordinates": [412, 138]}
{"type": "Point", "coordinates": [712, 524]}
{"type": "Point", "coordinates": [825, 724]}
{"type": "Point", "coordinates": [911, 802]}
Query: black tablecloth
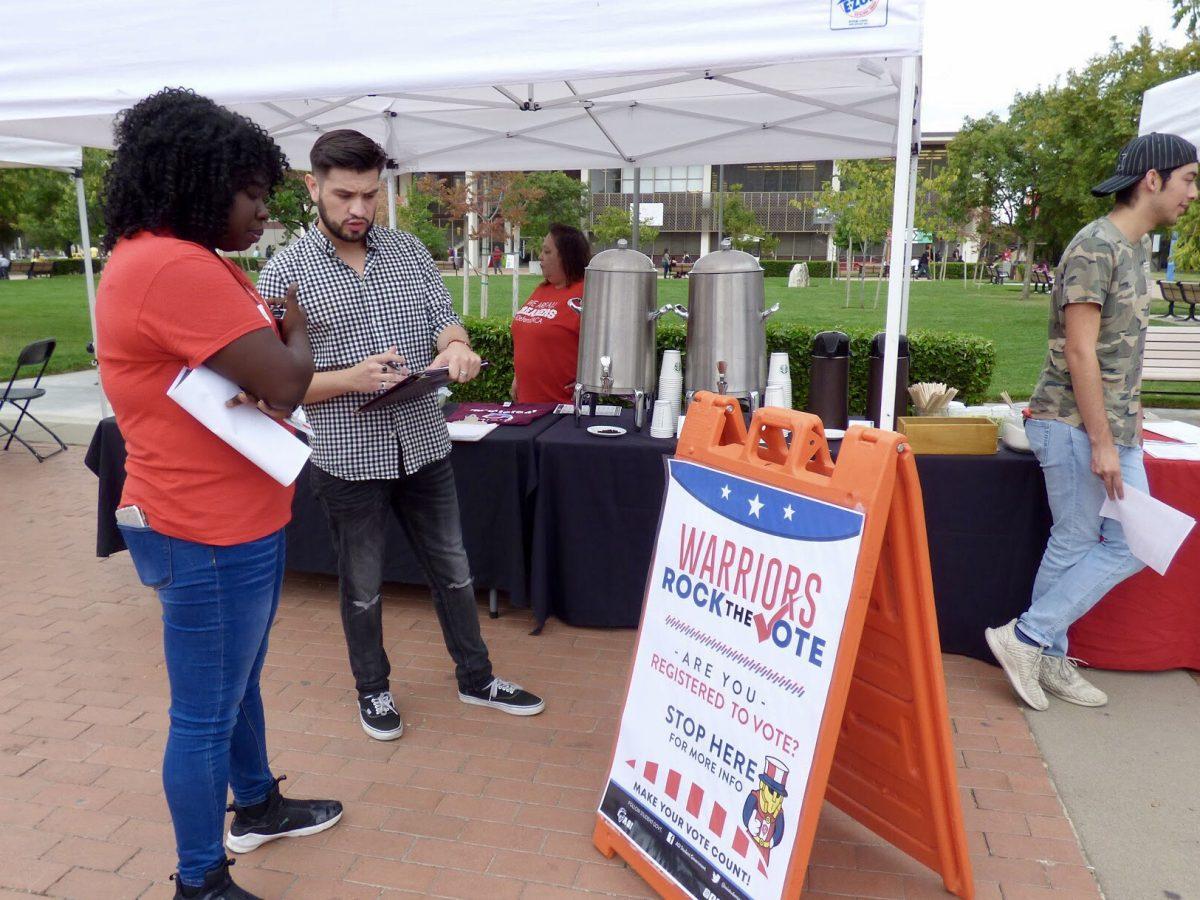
{"type": "Point", "coordinates": [496, 479]}
{"type": "Point", "coordinates": [597, 513]}
{"type": "Point", "coordinates": [598, 506]}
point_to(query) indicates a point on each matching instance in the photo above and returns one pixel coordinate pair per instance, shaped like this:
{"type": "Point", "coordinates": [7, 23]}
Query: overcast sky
{"type": "Point", "coordinates": [979, 53]}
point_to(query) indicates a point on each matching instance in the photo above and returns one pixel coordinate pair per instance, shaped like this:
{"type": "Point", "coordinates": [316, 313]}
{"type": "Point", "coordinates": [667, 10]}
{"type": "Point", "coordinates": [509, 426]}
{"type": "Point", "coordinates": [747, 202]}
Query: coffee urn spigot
{"type": "Point", "coordinates": [722, 381]}
{"type": "Point", "coordinates": [606, 380]}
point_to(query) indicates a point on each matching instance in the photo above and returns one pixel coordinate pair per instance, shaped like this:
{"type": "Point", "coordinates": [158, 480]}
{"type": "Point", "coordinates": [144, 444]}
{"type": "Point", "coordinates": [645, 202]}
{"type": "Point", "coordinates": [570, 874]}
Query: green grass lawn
{"type": "Point", "coordinates": [57, 307]}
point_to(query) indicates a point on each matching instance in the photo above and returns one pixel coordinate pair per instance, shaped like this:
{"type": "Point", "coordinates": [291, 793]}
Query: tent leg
{"type": "Point", "coordinates": [391, 194]}
{"type": "Point", "coordinates": [85, 237]}
{"type": "Point", "coordinates": [906, 136]}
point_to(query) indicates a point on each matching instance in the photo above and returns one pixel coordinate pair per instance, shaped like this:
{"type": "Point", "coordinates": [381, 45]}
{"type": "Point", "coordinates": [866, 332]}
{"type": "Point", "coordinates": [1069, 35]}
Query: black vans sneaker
{"type": "Point", "coordinates": [217, 886]}
{"type": "Point", "coordinates": [279, 817]}
{"type": "Point", "coordinates": [379, 717]}
{"type": "Point", "coordinates": [506, 697]}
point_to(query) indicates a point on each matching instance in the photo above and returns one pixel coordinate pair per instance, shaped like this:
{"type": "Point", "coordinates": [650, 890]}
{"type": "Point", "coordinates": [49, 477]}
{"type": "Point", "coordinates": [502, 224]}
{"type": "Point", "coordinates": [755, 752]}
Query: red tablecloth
{"type": "Point", "coordinates": [1152, 622]}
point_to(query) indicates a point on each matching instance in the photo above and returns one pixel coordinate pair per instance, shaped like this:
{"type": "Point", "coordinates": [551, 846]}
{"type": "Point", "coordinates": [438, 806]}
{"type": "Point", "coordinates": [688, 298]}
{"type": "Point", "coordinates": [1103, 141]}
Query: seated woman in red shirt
{"type": "Point", "coordinates": [545, 331]}
{"type": "Point", "coordinates": [203, 524]}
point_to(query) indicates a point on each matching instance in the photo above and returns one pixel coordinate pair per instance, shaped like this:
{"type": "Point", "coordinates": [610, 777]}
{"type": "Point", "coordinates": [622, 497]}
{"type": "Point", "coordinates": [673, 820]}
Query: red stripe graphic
{"type": "Point", "coordinates": [651, 770]}
{"type": "Point", "coordinates": [741, 843]}
{"type": "Point", "coordinates": [716, 822]}
{"type": "Point", "coordinates": [695, 798]}
{"type": "Point", "coordinates": [673, 778]}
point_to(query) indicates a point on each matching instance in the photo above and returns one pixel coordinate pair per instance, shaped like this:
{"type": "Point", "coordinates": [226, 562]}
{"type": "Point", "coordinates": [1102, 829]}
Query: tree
{"type": "Point", "coordinates": [41, 204]}
{"type": "Point", "coordinates": [291, 205]}
{"type": "Point", "coordinates": [416, 217]}
{"type": "Point", "coordinates": [940, 212]}
{"type": "Point", "coordinates": [552, 197]}
{"type": "Point", "coordinates": [615, 223]}
{"type": "Point", "coordinates": [742, 226]}
{"type": "Point", "coordinates": [1187, 11]}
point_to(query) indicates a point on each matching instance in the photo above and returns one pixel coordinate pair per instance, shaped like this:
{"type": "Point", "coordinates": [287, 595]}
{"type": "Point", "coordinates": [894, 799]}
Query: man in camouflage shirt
{"type": "Point", "coordinates": [1085, 415]}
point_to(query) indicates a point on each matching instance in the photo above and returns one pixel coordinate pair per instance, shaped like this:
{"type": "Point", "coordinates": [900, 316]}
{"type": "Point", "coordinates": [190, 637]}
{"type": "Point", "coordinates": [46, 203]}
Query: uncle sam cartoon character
{"type": "Point", "coordinates": [762, 813]}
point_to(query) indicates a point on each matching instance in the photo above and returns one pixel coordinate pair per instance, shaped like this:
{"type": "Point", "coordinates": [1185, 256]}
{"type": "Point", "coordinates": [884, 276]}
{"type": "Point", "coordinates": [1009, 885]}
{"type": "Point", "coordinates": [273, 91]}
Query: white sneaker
{"type": "Point", "coordinates": [1020, 661]}
{"type": "Point", "coordinates": [1060, 676]}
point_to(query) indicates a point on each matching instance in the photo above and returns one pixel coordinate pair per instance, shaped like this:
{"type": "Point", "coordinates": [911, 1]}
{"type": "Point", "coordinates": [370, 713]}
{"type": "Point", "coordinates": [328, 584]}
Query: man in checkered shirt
{"type": "Point", "coordinates": [377, 307]}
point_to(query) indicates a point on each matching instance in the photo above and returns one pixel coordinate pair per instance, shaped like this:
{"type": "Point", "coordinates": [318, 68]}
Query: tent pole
{"type": "Point", "coordinates": [914, 153]}
{"type": "Point", "coordinates": [901, 236]}
{"type": "Point", "coordinates": [89, 277]}
{"type": "Point", "coordinates": [637, 207]}
{"type": "Point", "coordinates": [720, 204]}
{"type": "Point", "coordinates": [391, 194]}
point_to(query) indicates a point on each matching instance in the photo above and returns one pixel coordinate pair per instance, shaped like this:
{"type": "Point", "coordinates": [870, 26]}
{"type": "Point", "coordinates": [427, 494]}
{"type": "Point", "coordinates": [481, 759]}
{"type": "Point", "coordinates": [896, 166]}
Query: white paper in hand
{"type": "Point", "coordinates": [1153, 530]}
{"type": "Point", "coordinates": [248, 430]}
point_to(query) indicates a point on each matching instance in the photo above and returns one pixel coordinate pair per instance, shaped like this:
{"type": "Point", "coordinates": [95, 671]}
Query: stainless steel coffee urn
{"type": "Point", "coordinates": [617, 330]}
{"type": "Point", "coordinates": [726, 326]}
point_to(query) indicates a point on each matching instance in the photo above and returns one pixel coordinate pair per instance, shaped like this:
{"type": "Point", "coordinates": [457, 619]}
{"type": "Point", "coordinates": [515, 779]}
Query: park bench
{"type": "Point", "coordinates": [1180, 292]}
{"type": "Point", "coordinates": [1171, 354]}
{"type": "Point", "coordinates": [1042, 283]}
{"type": "Point", "coordinates": [41, 267]}
{"type": "Point", "coordinates": [20, 267]}
{"type": "Point", "coordinates": [680, 270]}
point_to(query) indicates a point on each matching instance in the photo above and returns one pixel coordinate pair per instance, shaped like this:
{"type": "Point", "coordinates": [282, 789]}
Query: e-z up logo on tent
{"type": "Point", "coordinates": [845, 14]}
{"type": "Point", "coordinates": [748, 592]}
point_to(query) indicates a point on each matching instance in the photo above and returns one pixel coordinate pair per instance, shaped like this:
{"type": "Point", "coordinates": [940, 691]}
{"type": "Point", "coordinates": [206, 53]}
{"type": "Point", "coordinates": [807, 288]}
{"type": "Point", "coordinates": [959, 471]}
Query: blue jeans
{"type": "Point", "coordinates": [1086, 555]}
{"type": "Point", "coordinates": [218, 604]}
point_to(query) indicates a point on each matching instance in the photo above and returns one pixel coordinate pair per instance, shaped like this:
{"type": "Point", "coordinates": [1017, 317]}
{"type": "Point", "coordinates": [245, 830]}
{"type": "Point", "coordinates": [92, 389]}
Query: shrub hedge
{"type": "Point", "coordinates": [819, 268]}
{"type": "Point", "coordinates": [72, 266]}
{"type": "Point", "coordinates": [963, 361]}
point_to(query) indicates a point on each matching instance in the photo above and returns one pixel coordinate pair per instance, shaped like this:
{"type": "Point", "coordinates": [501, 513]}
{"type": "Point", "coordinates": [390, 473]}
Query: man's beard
{"type": "Point", "coordinates": [337, 230]}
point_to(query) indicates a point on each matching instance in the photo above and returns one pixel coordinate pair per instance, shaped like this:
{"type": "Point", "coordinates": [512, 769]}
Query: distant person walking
{"type": "Point", "coordinates": [497, 260]}
{"type": "Point", "coordinates": [666, 264]}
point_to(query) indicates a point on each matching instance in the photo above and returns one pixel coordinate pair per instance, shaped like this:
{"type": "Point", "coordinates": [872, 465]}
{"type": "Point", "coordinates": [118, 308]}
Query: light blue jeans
{"type": "Point", "coordinates": [1086, 555]}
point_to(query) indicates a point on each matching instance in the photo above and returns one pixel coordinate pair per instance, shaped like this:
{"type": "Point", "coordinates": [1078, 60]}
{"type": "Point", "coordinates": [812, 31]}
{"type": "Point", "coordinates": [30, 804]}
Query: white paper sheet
{"type": "Point", "coordinates": [469, 431]}
{"type": "Point", "coordinates": [1165, 450]}
{"type": "Point", "coordinates": [249, 431]}
{"type": "Point", "coordinates": [1153, 530]}
{"type": "Point", "coordinates": [1179, 431]}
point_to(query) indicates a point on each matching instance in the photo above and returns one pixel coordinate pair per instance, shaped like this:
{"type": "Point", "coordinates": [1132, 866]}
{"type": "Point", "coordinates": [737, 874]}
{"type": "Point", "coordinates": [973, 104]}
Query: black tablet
{"type": "Point", "coordinates": [414, 385]}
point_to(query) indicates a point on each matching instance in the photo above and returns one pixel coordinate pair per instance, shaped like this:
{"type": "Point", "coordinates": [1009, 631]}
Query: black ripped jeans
{"type": "Point", "coordinates": [426, 505]}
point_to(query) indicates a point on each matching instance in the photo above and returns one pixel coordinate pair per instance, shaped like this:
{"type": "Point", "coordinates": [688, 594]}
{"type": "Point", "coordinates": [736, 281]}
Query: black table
{"type": "Point", "coordinates": [598, 506]}
{"type": "Point", "coordinates": [496, 478]}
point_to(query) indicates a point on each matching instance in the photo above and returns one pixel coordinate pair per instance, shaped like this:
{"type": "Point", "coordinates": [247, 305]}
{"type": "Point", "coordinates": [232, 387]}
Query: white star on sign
{"type": "Point", "coordinates": [725, 492]}
{"type": "Point", "coordinates": [755, 507]}
{"type": "Point", "coordinates": [788, 512]}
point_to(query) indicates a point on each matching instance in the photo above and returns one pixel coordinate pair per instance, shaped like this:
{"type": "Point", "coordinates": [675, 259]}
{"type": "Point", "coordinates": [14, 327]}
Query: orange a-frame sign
{"type": "Point", "coordinates": [788, 639]}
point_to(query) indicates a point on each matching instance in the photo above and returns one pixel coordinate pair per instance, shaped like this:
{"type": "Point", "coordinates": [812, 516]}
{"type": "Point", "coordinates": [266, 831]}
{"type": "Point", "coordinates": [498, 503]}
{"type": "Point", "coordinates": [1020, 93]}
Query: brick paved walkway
{"type": "Point", "coordinates": [469, 803]}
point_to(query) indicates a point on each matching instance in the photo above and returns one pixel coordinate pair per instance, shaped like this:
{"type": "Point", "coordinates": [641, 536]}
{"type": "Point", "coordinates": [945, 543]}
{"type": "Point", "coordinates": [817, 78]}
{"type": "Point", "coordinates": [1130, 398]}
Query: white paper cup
{"type": "Point", "coordinates": [661, 423]}
{"type": "Point", "coordinates": [778, 369]}
{"type": "Point", "coordinates": [773, 396]}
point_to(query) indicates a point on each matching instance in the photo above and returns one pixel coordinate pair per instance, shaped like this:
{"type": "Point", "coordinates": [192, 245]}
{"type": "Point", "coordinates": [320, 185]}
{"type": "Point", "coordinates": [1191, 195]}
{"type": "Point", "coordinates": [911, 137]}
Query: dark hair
{"type": "Point", "coordinates": [346, 149]}
{"type": "Point", "coordinates": [1124, 197]}
{"type": "Point", "coordinates": [573, 249]}
{"type": "Point", "coordinates": [180, 160]}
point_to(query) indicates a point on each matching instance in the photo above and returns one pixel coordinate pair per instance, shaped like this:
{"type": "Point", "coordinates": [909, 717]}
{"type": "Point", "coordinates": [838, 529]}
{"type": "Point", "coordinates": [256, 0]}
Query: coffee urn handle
{"type": "Point", "coordinates": [574, 304]}
{"type": "Point", "coordinates": [654, 314]}
{"type": "Point", "coordinates": [767, 313]}
{"type": "Point", "coordinates": [680, 310]}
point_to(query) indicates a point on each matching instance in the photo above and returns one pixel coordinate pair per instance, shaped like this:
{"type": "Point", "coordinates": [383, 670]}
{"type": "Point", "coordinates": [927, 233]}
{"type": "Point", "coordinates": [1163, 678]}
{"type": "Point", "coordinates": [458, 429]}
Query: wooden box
{"type": "Point", "coordinates": [967, 435]}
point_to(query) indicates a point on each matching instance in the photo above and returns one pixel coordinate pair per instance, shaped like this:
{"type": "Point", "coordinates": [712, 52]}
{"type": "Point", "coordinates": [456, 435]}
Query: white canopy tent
{"type": "Point", "coordinates": [504, 86]}
{"type": "Point", "coordinates": [1173, 107]}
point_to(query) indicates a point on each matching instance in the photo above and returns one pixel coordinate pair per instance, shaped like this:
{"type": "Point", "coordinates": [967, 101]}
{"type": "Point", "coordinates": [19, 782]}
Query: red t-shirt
{"type": "Point", "coordinates": [545, 334]}
{"type": "Point", "coordinates": [164, 304]}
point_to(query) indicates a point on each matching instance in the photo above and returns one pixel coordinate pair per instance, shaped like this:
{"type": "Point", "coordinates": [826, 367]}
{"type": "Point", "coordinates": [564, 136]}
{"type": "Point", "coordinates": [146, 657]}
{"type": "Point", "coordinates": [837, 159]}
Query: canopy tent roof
{"type": "Point", "coordinates": [1173, 107]}
{"type": "Point", "coordinates": [20, 153]}
{"type": "Point", "coordinates": [494, 86]}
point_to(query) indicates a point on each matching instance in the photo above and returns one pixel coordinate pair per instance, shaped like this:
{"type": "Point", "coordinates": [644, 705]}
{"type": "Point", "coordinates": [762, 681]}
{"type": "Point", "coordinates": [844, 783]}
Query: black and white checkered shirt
{"type": "Point", "coordinates": [400, 300]}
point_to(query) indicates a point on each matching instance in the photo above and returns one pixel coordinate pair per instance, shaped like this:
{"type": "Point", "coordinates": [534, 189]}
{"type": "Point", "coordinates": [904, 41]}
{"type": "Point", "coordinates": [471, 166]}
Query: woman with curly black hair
{"type": "Point", "coordinates": [203, 524]}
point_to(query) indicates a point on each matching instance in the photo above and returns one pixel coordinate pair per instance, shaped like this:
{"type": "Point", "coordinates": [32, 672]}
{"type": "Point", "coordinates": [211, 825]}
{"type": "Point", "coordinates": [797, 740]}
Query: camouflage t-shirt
{"type": "Point", "coordinates": [1100, 266]}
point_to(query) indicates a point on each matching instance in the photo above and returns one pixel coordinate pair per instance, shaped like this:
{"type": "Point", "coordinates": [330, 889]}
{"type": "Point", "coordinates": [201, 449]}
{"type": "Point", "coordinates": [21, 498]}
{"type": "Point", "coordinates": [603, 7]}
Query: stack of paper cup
{"type": "Point", "coordinates": [774, 395]}
{"type": "Point", "coordinates": [779, 375]}
{"type": "Point", "coordinates": [670, 381]}
{"type": "Point", "coordinates": [662, 423]}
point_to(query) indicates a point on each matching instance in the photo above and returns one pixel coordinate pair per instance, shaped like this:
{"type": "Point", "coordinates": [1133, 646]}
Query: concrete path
{"type": "Point", "coordinates": [1128, 777]}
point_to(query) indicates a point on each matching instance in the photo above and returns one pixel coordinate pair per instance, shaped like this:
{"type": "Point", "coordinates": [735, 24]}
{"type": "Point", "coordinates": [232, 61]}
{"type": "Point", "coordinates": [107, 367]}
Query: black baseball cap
{"type": "Point", "coordinates": [1145, 152]}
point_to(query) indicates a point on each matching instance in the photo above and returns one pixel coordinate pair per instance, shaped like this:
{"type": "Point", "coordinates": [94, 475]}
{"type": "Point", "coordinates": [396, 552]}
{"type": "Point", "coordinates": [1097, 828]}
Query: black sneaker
{"type": "Point", "coordinates": [217, 886]}
{"type": "Point", "coordinates": [279, 817]}
{"type": "Point", "coordinates": [506, 697]}
{"type": "Point", "coordinates": [379, 717]}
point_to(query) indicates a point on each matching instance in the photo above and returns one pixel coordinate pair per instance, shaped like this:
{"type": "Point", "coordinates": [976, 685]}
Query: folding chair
{"type": "Point", "coordinates": [36, 354]}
